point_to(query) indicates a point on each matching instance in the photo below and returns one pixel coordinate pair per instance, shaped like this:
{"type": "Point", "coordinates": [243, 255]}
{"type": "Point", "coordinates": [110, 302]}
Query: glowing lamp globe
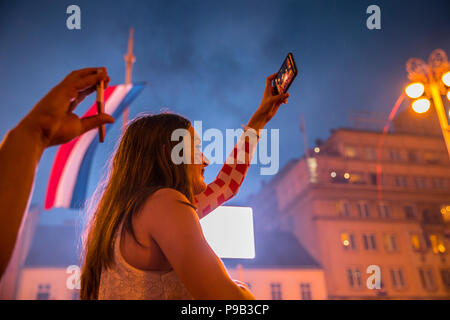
{"type": "Point", "coordinates": [421, 105]}
{"type": "Point", "coordinates": [415, 90]}
{"type": "Point", "coordinates": [446, 79]}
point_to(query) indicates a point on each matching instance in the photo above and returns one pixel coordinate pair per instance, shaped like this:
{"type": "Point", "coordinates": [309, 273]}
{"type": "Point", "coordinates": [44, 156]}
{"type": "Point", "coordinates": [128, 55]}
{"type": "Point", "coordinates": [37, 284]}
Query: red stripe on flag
{"type": "Point", "coordinates": [63, 154]}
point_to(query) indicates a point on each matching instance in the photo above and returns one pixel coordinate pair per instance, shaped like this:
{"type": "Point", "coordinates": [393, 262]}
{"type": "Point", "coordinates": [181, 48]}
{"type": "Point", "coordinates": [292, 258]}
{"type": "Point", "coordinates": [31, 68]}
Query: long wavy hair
{"type": "Point", "coordinates": [140, 165]}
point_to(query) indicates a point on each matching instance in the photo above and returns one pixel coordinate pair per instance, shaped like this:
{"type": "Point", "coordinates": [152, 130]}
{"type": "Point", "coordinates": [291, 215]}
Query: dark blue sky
{"type": "Point", "coordinates": [208, 61]}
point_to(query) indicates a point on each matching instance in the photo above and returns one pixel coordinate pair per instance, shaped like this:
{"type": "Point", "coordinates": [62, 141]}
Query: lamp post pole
{"type": "Point", "coordinates": [440, 110]}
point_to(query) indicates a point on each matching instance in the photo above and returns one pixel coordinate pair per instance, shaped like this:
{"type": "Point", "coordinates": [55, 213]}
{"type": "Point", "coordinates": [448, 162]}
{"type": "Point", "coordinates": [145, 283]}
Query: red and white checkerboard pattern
{"type": "Point", "coordinates": [230, 177]}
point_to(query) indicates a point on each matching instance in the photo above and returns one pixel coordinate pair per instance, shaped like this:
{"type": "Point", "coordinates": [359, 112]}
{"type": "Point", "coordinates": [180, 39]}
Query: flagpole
{"type": "Point", "coordinates": [129, 59]}
{"type": "Point", "coordinates": [305, 138]}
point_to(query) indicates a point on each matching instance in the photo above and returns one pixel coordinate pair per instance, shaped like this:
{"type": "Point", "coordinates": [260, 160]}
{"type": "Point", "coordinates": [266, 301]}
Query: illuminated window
{"type": "Point", "coordinates": [305, 291]}
{"type": "Point", "coordinates": [390, 242]}
{"type": "Point", "coordinates": [350, 152]}
{"type": "Point", "coordinates": [357, 178]}
{"type": "Point", "coordinates": [354, 277]}
{"type": "Point", "coordinates": [363, 210]}
{"type": "Point", "coordinates": [348, 241]}
{"type": "Point", "coordinates": [384, 211]}
{"type": "Point", "coordinates": [343, 208]}
{"type": "Point", "coordinates": [369, 242]}
{"type": "Point", "coordinates": [431, 157]}
{"type": "Point", "coordinates": [275, 290]}
{"type": "Point", "coordinates": [437, 244]}
{"type": "Point", "coordinates": [445, 210]}
{"type": "Point", "coordinates": [417, 242]}
{"type": "Point", "coordinates": [400, 181]}
{"type": "Point", "coordinates": [397, 278]}
{"type": "Point", "coordinates": [427, 278]}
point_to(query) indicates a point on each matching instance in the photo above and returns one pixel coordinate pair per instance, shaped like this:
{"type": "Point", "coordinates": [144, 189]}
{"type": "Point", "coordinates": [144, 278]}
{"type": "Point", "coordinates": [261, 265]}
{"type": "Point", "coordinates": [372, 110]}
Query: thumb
{"type": "Point", "coordinates": [92, 122]}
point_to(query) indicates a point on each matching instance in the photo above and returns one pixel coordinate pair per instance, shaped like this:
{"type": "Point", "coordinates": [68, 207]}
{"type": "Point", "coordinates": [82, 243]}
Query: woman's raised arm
{"type": "Point", "coordinates": [232, 174]}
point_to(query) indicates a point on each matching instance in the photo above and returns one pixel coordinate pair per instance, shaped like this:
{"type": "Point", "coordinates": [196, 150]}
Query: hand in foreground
{"type": "Point", "coordinates": [241, 284]}
{"type": "Point", "coordinates": [269, 105]}
{"type": "Point", "coordinates": [53, 118]}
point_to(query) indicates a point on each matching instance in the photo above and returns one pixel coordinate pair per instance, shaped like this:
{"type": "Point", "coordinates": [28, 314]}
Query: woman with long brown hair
{"type": "Point", "coordinates": [144, 239]}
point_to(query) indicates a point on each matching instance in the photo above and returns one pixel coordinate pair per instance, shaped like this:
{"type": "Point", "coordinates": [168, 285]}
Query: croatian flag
{"type": "Point", "coordinates": [67, 186]}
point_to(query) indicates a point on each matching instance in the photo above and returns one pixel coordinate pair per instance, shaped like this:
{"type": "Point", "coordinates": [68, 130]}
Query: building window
{"type": "Point", "coordinates": [384, 211]}
{"type": "Point", "coordinates": [354, 277]}
{"type": "Point", "coordinates": [275, 289]}
{"type": "Point", "coordinates": [436, 244]}
{"type": "Point", "coordinates": [390, 243]}
{"type": "Point", "coordinates": [350, 152]}
{"type": "Point", "coordinates": [438, 183]}
{"type": "Point", "coordinates": [348, 241]}
{"type": "Point", "coordinates": [410, 212]}
{"type": "Point", "coordinates": [413, 156]}
{"type": "Point", "coordinates": [343, 208]}
{"type": "Point", "coordinates": [397, 278]}
{"type": "Point", "coordinates": [445, 210]}
{"type": "Point", "coordinates": [363, 210]}
{"type": "Point", "coordinates": [373, 179]}
{"type": "Point", "coordinates": [43, 292]}
{"type": "Point", "coordinates": [431, 157]}
{"type": "Point", "coordinates": [420, 182]}
{"type": "Point", "coordinates": [395, 155]}
{"type": "Point", "coordinates": [355, 178]}
{"type": "Point", "coordinates": [371, 153]}
{"type": "Point", "coordinates": [445, 275]}
{"type": "Point", "coordinates": [369, 242]}
{"type": "Point", "coordinates": [76, 295]}
{"type": "Point", "coordinates": [432, 216]}
{"type": "Point", "coordinates": [400, 181]}
{"type": "Point", "coordinates": [417, 242]}
{"type": "Point", "coordinates": [427, 278]}
{"type": "Point", "coordinates": [305, 291]}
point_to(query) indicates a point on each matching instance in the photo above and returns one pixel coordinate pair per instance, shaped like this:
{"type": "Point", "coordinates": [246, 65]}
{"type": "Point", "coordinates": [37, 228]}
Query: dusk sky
{"type": "Point", "coordinates": [208, 60]}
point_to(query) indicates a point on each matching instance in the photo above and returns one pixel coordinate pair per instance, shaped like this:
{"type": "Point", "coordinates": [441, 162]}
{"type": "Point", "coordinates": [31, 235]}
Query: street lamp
{"type": "Point", "coordinates": [430, 80]}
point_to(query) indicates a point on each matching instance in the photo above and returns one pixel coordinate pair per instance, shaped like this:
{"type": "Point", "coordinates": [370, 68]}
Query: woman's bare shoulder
{"type": "Point", "coordinates": [166, 200]}
{"type": "Point", "coordinates": [168, 194]}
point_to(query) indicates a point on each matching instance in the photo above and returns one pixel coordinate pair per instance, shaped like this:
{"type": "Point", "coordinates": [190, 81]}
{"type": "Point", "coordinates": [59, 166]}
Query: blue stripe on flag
{"type": "Point", "coordinates": [80, 190]}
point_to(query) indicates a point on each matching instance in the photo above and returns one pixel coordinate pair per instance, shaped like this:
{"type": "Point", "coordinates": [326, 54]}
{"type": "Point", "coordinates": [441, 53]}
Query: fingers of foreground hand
{"type": "Point", "coordinates": [270, 78]}
{"type": "Point", "coordinates": [92, 122]}
{"type": "Point", "coordinates": [90, 81]}
{"type": "Point", "coordinates": [82, 80]}
{"type": "Point", "coordinates": [279, 98]}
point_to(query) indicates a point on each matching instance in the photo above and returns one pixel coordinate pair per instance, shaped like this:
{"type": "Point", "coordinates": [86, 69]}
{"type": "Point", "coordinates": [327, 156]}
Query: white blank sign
{"type": "Point", "coordinates": [229, 232]}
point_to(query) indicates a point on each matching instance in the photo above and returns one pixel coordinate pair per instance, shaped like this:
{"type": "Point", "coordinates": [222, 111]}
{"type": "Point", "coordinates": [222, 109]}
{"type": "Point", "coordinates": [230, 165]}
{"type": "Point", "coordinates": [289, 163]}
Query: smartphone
{"type": "Point", "coordinates": [286, 75]}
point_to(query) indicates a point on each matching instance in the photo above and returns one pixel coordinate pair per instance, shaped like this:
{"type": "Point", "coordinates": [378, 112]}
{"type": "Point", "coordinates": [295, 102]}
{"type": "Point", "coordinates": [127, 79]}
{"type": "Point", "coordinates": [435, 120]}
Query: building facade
{"type": "Point", "coordinates": [51, 271]}
{"type": "Point", "coordinates": [367, 199]}
{"type": "Point", "coordinates": [281, 270]}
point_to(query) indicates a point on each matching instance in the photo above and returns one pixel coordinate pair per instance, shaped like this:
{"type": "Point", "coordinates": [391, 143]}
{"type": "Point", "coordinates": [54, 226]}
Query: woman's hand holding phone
{"type": "Point", "coordinates": [269, 105]}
